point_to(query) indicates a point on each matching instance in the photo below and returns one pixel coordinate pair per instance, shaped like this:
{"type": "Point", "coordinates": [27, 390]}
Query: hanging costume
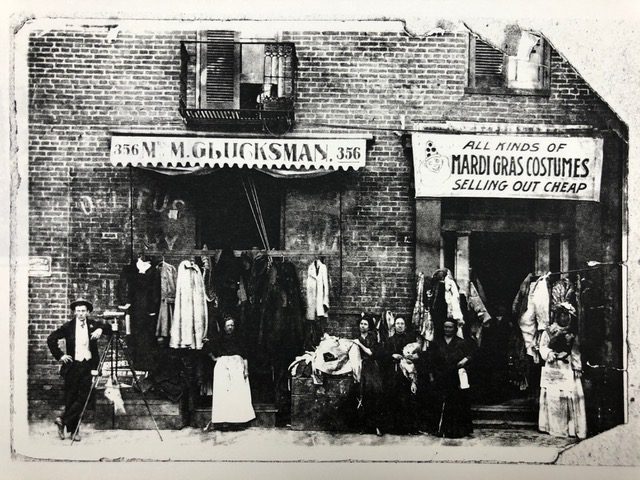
{"type": "Point", "coordinates": [190, 320]}
{"type": "Point", "coordinates": [536, 317]}
{"type": "Point", "coordinates": [445, 301]}
{"type": "Point", "coordinates": [317, 302]}
{"type": "Point", "coordinates": [168, 277]}
{"type": "Point", "coordinates": [421, 318]}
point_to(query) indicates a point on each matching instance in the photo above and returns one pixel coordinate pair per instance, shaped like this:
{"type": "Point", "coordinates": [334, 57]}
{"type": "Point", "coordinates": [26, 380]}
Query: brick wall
{"type": "Point", "coordinates": [82, 85]}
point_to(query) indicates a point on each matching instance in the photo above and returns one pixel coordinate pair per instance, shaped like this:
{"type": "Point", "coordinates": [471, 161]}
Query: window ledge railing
{"type": "Point", "coordinates": [272, 111]}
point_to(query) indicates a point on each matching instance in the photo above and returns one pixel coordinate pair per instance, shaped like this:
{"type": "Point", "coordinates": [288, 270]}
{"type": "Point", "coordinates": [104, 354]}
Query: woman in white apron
{"type": "Point", "coordinates": [231, 392]}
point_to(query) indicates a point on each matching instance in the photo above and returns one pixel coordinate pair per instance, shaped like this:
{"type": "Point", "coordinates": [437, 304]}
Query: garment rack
{"type": "Point", "coordinates": [237, 253]}
{"type": "Point", "coordinates": [576, 270]}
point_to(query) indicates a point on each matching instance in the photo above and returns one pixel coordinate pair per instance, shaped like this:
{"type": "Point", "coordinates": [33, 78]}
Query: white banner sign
{"type": "Point", "coordinates": [251, 152]}
{"type": "Point", "coordinates": [507, 166]}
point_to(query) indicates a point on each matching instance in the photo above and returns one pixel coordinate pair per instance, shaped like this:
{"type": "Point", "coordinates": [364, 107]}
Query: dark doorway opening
{"type": "Point", "coordinates": [499, 263]}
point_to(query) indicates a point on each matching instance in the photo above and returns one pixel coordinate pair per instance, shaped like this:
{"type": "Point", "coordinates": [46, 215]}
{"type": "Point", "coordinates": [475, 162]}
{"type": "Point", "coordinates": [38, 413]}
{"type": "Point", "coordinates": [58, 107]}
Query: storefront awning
{"type": "Point", "coordinates": [287, 157]}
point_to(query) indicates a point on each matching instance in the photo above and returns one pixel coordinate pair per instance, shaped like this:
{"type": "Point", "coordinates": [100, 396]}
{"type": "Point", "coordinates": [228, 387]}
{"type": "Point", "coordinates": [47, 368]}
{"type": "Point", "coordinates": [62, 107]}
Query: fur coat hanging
{"type": "Point", "coordinates": [190, 318]}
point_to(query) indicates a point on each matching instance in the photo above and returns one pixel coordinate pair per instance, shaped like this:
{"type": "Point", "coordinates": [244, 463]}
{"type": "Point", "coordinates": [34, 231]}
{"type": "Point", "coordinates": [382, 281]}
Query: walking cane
{"type": "Point", "coordinates": [441, 417]}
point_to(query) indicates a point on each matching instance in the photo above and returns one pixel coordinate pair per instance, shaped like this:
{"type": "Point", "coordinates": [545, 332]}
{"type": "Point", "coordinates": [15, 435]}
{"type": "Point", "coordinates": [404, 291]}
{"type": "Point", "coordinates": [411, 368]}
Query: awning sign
{"type": "Point", "coordinates": [289, 153]}
{"type": "Point", "coordinates": [507, 166]}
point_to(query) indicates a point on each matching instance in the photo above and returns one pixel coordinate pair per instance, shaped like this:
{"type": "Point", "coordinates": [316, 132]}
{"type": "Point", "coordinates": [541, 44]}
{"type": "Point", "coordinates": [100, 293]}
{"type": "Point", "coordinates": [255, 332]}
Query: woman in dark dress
{"type": "Point", "coordinates": [401, 402]}
{"type": "Point", "coordinates": [369, 408]}
{"type": "Point", "coordinates": [447, 355]}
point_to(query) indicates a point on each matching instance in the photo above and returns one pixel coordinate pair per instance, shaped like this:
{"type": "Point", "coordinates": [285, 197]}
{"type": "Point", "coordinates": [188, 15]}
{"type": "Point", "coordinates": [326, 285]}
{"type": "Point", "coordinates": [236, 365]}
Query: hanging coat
{"type": "Point", "coordinates": [317, 290]}
{"type": "Point", "coordinates": [536, 318]}
{"type": "Point", "coordinates": [452, 297]}
{"type": "Point", "coordinates": [168, 277]}
{"type": "Point", "coordinates": [190, 317]}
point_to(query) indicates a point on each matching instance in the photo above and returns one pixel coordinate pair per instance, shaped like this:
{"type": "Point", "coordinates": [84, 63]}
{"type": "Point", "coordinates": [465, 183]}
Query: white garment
{"type": "Point", "coordinates": [82, 342]}
{"type": "Point", "coordinates": [190, 316]}
{"type": "Point", "coordinates": [452, 297]}
{"type": "Point", "coordinates": [231, 392]}
{"type": "Point", "coordinates": [317, 290]}
{"type": "Point", "coordinates": [536, 317]}
{"type": "Point", "coordinates": [562, 407]}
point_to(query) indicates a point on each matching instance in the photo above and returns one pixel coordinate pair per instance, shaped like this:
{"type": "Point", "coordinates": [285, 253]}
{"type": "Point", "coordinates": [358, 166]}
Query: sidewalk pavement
{"type": "Point", "coordinates": [285, 445]}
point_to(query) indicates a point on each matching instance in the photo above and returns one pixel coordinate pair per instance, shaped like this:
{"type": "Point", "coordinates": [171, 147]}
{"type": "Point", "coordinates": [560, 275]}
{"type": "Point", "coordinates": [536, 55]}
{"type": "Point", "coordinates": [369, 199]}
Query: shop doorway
{"type": "Point", "coordinates": [499, 262]}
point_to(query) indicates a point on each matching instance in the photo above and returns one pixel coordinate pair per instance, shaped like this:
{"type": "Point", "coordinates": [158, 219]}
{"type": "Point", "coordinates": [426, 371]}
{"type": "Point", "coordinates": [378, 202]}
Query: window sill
{"type": "Point", "coordinates": [534, 92]}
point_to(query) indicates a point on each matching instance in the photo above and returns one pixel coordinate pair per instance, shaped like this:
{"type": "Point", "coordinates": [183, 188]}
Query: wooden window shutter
{"type": "Point", "coordinates": [219, 70]}
{"type": "Point", "coordinates": [486, 64]}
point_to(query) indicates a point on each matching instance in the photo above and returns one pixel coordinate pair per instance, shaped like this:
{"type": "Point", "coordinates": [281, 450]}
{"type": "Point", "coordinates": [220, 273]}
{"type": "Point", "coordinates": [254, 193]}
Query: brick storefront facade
{"type": "Point", "coordinates": [84, 83]}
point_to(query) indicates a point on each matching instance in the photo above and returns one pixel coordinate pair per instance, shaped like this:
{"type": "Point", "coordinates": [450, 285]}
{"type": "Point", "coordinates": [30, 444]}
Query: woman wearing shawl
{"type": "Point", "coordinates": [231, 391]}
{"type": "Point", "coordinates": [369, 406]}
{"type": "Point", "coordinates": [562, 408]}
{"type": "Point", "coordinates": [448, 357]}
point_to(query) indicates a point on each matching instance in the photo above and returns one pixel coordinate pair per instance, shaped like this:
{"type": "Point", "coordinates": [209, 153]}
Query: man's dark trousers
{"type": "Point", "coordinates": [77, 384]}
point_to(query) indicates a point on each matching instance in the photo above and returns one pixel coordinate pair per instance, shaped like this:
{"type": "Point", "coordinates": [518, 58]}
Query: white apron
{"type": "Point", "coordinates": [231, 392]}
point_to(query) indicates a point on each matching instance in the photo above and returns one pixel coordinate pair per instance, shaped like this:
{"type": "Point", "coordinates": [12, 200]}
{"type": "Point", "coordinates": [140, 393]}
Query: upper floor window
{"type": "Point", "coordinates": [521, 67]}
{"type": "Point", "coordinates": [237, 82]}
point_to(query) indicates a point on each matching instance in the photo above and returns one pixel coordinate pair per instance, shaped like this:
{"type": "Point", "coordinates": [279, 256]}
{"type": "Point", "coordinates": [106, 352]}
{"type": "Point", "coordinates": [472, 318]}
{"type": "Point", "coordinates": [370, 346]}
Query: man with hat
{"type": "Point", "coordinates": [80, 336]}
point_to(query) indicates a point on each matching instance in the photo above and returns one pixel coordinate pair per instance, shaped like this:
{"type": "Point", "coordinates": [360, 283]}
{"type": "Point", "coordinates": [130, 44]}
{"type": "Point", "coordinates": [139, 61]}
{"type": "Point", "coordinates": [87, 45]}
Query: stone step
{"type": "Point", "coordinates": [265, 416]}
{"type": "Point", "coordinates": [502, 424]}
{"type": "Point", "coordinates": [505, 416]}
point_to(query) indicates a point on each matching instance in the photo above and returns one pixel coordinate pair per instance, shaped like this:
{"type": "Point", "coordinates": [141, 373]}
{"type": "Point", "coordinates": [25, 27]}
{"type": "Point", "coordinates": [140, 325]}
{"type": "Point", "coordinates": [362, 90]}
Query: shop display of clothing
{"type": "Point", "coordinates": [562, 404]}
{"type": "Point", "coordinates": [190, 320]}
{"type": "Point", "coordinates": [452, 405]}
{"type": "Point", "coordinates": [231, 400]}
{"type": "Point", "coordinates": [168, 278]}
